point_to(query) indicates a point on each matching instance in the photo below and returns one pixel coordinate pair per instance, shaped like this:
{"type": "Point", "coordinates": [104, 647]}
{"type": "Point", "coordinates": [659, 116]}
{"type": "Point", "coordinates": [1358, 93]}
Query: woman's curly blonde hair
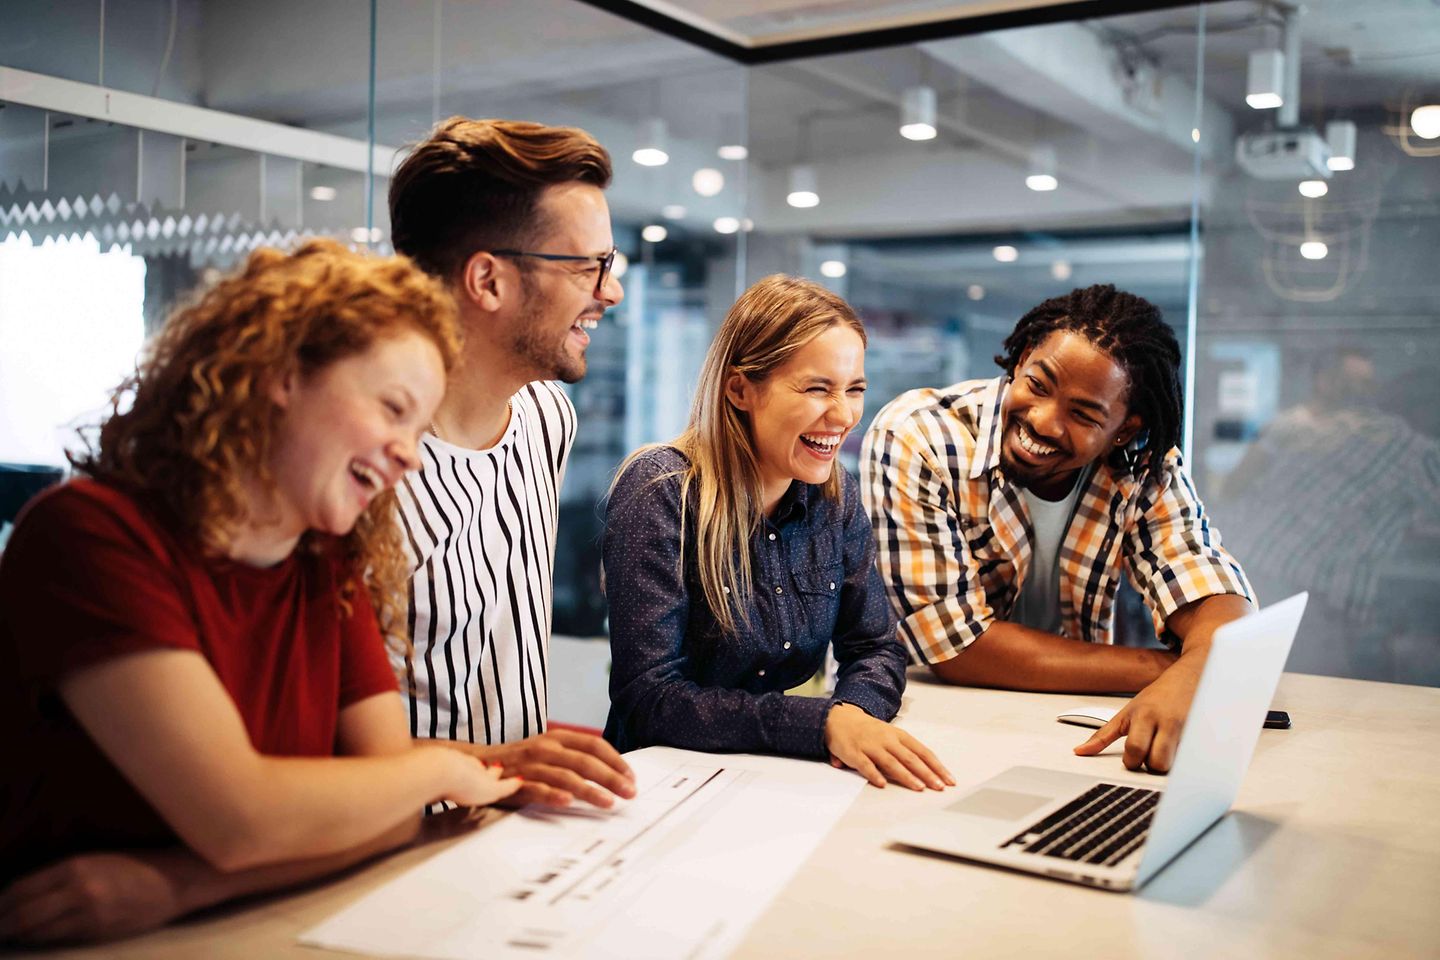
{"type": "Point", "coordinates": [196, 419]}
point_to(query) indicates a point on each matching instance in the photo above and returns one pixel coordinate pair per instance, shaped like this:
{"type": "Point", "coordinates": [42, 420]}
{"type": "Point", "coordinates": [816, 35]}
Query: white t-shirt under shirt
{"type": "Point", "coordinates": [1038, 605]}
{"type": "Point", "coordinates": [480, 527]}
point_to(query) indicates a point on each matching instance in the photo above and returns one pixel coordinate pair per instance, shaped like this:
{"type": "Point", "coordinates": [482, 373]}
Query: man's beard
{"type": "Point", "coordinates": [543, 351]}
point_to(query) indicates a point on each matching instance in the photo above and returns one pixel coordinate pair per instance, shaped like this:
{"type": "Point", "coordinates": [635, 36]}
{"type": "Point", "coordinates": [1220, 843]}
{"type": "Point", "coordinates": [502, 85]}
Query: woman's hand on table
{"type": "Point", "coordinates": [879, 751]}
{"type": "Point", "coordinates": [95, 896]}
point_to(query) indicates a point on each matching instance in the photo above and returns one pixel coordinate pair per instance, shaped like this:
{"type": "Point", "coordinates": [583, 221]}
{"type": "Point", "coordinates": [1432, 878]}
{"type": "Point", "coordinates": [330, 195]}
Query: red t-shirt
{"type": "Point", "coordinates": [90, 573]}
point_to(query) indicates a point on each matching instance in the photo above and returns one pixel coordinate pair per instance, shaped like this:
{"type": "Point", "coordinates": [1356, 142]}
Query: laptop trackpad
{"type": "Point", "coordinates": [999, 804]}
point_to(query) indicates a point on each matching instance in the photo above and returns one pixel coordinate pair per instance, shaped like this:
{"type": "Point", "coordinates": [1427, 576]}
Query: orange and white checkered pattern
{"type": "Point", "coordinates": [953, 534]}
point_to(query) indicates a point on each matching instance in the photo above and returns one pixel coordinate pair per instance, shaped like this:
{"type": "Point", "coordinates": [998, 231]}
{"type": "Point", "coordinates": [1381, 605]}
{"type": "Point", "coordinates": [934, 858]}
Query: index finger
{"type": "Point", "coordinates": [597, 747]}
{"type": "Point", "coordinates": [1106, 735]}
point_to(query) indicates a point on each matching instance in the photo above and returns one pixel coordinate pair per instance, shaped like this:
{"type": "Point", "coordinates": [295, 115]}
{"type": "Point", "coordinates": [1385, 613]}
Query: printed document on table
{"type": "Point", "coordinates": [681, 871]}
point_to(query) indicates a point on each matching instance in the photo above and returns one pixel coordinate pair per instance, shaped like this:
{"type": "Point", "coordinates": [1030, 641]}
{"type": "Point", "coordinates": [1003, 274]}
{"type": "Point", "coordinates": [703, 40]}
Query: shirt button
{"type": "Point", "coordinates": [772, 536]}
{"type": "Point", "coordinates": [762, 673]}
{"type": "Point", "coordinates": [726, 589]}
{"type": "Point", "coordinates": [778, 590]}
{"type": "Point", "coordinates": [787, 644]}
{"type": "Point", "coordinates": [832, 584]}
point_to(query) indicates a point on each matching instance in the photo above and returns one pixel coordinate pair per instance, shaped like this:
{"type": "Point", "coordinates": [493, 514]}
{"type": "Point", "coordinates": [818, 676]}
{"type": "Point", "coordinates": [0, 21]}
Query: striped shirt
{"type": "Point", "coordinates": [481, 528]}
{"type": "Point", "coordinates": [954, 537]}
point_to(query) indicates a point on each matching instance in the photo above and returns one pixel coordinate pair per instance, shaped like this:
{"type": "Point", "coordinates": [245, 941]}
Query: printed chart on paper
{"type": "Point", "coordinates": [679, 872]}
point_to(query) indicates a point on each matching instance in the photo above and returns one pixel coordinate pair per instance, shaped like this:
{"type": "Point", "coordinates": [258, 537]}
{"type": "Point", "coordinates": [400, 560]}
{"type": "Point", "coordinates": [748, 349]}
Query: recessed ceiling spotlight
{"type": "Point", "coordinates": [654, 233]}
{"type": "Point", "coordinates": [1314, 188]}
{"type": "Point", "coordinates": [672, 211]}
{"type": "Point", "coordinates": [834, 269]}
{"type": "Point", "coordinates": [1061, 270]}
{"type": "Point", "coordinates": [622, 264]}
{"type": "Point", "coordinates": [1006, 253]}
{"type": "Point", "coordinates": [1425, 121]}
{"type": "Point", "coordinates": [726, 225]}
{"type": "Point", "coordinates": [707, 181]}
{"type": "Point", "coordinates": [733, 151]}
{"type": "Point", "coordinates": [323, 194]}
{"type": "Point", "coordinates": [975, 292]}
{"type": "Point", "coordinates": [1313, 250]}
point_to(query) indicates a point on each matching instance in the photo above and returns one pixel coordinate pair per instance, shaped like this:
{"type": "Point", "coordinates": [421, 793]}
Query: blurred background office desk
{"type": "Point", "coordinates": [1333, 850]}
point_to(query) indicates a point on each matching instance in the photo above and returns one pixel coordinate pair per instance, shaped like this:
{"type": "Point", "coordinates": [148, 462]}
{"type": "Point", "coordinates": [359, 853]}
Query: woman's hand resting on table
{"type": "Point", "coordinates": [879, 751]}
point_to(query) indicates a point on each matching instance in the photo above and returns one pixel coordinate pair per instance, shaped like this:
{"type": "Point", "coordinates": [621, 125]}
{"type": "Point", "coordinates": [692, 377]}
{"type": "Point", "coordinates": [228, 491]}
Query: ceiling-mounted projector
{"type": "Point", "coordinates": [1283, 155]}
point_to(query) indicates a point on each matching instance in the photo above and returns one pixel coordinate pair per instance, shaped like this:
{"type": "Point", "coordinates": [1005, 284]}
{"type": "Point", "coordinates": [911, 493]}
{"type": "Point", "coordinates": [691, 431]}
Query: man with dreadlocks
{"type": "Point", "coordinates": [1006, 512]}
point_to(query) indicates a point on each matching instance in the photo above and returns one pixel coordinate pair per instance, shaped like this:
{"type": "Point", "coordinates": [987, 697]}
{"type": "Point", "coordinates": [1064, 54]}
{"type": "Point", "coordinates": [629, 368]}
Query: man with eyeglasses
{"type": "Point", "coordinates": [513, 217]}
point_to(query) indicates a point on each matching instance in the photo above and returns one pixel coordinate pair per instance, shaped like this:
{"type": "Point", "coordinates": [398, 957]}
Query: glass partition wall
{"type": "Point", "coordinates": [944, 187]}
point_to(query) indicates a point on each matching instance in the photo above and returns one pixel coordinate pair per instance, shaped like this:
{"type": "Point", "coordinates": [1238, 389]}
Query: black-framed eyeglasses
{"type": "Point", "coordinates": [605, 260]}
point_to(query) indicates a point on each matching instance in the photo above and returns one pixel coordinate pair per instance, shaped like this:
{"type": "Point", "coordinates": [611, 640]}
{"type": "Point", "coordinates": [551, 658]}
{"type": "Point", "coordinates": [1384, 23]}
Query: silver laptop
{"type": "Point", "coordinates": [1113, 833]}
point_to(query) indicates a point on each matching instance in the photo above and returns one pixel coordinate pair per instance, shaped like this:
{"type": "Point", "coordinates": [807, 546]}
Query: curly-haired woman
{"type": "Point", "coordinates": [194, 627]}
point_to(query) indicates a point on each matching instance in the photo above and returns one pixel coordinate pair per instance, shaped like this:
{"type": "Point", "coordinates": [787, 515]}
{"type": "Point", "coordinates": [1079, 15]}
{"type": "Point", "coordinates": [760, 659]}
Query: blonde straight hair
{"type": "Point", "coordinates": [764, 329]}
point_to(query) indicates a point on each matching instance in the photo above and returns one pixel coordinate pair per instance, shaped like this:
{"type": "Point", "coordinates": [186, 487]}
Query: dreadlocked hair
{"type": "Point", "coordinates": [1132, 332]}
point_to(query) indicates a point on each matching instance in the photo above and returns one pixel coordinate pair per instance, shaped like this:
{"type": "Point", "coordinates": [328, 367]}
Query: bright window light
{"type": "Point", "coordinates": [64, 345]}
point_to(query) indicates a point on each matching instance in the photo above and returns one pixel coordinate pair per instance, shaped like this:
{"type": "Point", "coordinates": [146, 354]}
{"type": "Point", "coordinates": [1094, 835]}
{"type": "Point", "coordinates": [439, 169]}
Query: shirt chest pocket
{"type": "Point", "coordinates": [819, 592]}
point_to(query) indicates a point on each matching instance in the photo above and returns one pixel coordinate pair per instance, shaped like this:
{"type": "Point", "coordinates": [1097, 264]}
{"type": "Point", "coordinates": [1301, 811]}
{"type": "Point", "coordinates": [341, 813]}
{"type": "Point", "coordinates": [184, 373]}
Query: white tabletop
{"type": "Point", "coordinates": [1332, 850]}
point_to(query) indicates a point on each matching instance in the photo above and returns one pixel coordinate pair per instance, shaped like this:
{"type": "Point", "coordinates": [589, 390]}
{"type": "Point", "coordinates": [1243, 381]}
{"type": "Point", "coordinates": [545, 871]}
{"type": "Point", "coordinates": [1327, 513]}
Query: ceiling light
{"type": "Point", "coordinates": [747, 224]}
{"type": "Point", "coordinates": [802, 187]}
{"type": "Point", "coordinates": [1313, 250]}
{"type": "Point", "coordinates": [834, 269]}
{"type": "Point", "coordinates": [621, 264]}
{"type": "Point", "coordinates": [975, 292]}
{"type": "Point", "coordinates": [733, 151]}
{"type": "Point", "coordinates": [1425, 121]}
{"type": "Point", "coordinates": [1042, 170]}
{"type": "Point", "coordinates": [707, 181]}
{"type": "Point", "coordinates": [917, 114]}
{"type": "Point", "coordinates": [1194, 134]}
{"type": "Point", "coordinates": [726, 225]}
{"type": "Point", "coordinates": [650, 152]}
{"type": "Point", "coordinates": [672, 211]}
{"type": "Point", "coordinates": [1314, 188]}
{"type": "Point", "coordinates": [1265, 79]}
{"type": "Point", "coordinates": [654, 233]}
{"type": "Point", "coordinates": [1006, 253]}
{"type": "Point", "coordinates": [361, 235]}
{"type": "Point", "coordinates": [323, 194]}
{"type": "Point", "coordinates": [1340, 137]}
{"type": "Point", "coordinates": [1061, 270]}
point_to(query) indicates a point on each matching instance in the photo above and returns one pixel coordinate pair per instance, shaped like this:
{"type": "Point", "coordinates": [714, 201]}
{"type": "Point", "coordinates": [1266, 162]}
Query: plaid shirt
{"type": "Point", "coordinates": [954, 535]}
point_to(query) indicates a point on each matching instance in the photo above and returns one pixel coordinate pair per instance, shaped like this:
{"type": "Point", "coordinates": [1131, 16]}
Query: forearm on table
{"type": "Point", "coordinates": [1015, 657]}
{"type": "Point", "coordinates": [686, 715]}
{"type": "Point", "coordinates": [199, 885]}
{"type": "Point", "coordinates": [302, 808]}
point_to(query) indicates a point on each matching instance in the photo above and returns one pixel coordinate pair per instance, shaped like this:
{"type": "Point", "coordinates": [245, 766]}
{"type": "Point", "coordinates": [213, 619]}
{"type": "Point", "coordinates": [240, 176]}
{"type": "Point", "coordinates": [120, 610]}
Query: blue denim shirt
{"type": "Point", "coordinates": [677, 680]}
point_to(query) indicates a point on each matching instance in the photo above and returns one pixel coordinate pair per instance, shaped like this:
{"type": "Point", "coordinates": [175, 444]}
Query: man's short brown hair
{"type": "Point", "coordinates": [475, 185]}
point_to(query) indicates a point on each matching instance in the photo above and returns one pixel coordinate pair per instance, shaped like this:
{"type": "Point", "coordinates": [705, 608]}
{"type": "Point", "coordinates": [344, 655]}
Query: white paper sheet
{"type": "Point", "coordinates": [681, 871]}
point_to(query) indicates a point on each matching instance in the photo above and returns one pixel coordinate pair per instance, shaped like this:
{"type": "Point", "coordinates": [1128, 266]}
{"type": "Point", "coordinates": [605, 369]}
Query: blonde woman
{"type": "Point", "coordinates": [737, 554]}
{"type": "Point", "coordinates": [197, 702]}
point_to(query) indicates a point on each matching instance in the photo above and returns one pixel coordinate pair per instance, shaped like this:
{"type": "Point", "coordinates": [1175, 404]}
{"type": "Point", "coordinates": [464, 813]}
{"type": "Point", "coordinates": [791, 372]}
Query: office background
{"type": "Point", "coordinates": [145, 144]}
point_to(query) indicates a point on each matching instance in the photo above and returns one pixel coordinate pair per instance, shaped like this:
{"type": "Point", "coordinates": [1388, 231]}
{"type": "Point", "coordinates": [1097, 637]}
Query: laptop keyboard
{"type": "Point", "coordinates": [1104, 825]}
